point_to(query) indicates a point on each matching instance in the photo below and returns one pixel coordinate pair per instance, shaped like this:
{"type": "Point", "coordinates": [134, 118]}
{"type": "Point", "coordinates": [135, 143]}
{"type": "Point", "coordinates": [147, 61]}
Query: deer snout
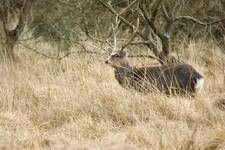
{"type": "Point", "coordinates": [107, 61]}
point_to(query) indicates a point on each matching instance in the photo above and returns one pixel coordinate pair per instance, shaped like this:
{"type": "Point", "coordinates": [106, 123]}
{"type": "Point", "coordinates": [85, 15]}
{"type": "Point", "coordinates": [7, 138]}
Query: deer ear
{"type": "Point", "coordinates": [124, 51]}
{"type": "Point", "coordinates": [110, 50]}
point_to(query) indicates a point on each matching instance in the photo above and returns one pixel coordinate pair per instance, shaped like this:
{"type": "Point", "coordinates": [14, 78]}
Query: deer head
{"type": "Point", "coordinates": [117, 59]}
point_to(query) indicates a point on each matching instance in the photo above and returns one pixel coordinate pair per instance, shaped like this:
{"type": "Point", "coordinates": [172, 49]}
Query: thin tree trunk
{"type": "Point", "coordinates": [8, 49]}
{"type": "Point", "coordinates": [12, 36]}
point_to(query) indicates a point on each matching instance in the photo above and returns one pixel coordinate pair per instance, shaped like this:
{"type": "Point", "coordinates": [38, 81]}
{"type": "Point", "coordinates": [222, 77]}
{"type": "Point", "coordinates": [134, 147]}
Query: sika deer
{"type": "Point", "coordinates": [169, 79]}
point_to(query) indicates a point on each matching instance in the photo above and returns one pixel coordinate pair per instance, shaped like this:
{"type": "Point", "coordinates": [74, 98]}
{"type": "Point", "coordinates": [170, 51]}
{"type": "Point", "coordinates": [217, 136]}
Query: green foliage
{"type": "Point", "coordinates": [58, 32]}
{"type": "Point", "coordinates": [54, 23]}
{"type": "Point", "coordinates": [60, 22]}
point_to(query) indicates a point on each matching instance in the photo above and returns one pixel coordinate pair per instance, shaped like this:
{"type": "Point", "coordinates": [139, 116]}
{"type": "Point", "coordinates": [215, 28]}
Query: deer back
{"type": "Point", "coordinates": [167, 78]}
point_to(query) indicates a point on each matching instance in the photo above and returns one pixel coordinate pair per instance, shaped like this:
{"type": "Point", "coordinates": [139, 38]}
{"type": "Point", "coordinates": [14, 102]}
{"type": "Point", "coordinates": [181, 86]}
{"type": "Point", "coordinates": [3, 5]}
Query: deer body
{"type": "Point", "coordinates": [169, 79]}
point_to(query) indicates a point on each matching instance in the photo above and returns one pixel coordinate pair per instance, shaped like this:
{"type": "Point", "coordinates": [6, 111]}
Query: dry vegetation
{"type": "Point", "coordinates": [77, 104]}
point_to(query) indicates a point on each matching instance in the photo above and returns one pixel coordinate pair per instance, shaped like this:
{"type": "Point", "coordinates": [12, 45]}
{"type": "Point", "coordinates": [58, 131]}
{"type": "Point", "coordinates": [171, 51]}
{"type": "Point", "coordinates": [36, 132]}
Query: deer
{"type": "Point", "coordinates": [169, 79]}
{"type": "Point", "coordinates": [175, 78]}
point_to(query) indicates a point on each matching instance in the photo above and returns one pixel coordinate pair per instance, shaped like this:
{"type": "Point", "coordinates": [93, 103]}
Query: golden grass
{"type": "Point", "coordinates": [77, 104]}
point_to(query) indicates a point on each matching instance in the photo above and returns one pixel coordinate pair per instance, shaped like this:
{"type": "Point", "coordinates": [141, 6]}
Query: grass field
{"type": "Point", "coordinates": [78, 104]}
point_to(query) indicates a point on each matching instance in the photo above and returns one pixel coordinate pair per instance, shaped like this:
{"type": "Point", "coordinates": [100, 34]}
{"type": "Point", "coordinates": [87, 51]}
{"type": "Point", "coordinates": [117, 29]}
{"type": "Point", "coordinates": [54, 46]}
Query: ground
{"type": "Point", "coordinates": [77, 104]}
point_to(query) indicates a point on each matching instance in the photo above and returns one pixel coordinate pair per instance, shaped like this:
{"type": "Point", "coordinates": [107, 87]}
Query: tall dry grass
{"type": "Point", "coordinates": [77, 104]}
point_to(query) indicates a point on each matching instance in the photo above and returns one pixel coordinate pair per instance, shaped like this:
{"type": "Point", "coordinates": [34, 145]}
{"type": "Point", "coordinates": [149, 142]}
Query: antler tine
{"type": "Point", "coordinates": [108, 42]}
{"type": "Point", "coordinates": [135, 30]}
{"type": "Point", "coordinates": [115, 28]}
{"type": "Point", "coordinates": [114, 38]}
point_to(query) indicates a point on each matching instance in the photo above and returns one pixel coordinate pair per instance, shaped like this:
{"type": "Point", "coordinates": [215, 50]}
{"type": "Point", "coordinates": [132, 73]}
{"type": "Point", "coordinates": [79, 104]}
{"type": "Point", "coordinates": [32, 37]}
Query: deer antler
{"type": "Point", "coordinates": [115, 28]}
{"type": "Point", "coordinates": [135, 29]}
{"type": "Point", "coordinates": [147, 41]}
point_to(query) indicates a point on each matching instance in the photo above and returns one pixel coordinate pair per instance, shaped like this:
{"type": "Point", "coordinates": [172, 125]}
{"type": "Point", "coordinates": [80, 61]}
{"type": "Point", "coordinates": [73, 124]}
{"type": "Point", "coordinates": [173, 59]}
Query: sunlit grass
{"type": "Point", "coordinates": [78, 104]}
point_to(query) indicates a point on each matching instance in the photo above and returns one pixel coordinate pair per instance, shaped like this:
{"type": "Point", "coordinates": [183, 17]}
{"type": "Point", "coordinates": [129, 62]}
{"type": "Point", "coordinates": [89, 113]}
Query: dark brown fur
{"type": "Point", "coordinates": [170, 79]}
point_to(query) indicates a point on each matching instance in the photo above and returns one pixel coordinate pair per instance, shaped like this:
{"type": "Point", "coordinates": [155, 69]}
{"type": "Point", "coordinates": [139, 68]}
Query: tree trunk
{"type": "Point", "coordinates": [12, 36]}
{"type": "Point", "coordinates": [8, 49]}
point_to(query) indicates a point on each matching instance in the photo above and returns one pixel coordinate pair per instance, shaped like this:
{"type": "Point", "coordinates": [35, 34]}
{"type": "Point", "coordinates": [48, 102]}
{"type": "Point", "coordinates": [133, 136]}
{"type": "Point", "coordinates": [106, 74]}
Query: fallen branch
{"type": "Point", "coordinates": [62, 57]}
{"type": "Point", "coordinates": [189, 18]}
{"type": "Point", "coordinates": [83, 52]}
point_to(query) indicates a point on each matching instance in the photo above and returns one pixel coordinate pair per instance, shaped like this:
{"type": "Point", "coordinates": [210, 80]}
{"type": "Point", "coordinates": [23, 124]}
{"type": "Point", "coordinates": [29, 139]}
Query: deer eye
{"type": "Point", "coordinates": [116, 55]}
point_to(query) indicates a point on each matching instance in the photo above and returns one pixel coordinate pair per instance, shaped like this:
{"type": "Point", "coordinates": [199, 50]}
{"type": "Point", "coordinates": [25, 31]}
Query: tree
{"type": "Point", "coordinates": [51, 20]}
{"type": "Point", "coordinates": [13, 12]}
{"type": "Point", "coordinates": [158, 21]}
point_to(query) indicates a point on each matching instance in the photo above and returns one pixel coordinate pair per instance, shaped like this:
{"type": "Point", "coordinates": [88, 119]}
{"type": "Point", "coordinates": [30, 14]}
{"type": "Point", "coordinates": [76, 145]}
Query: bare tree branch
{"type": "Point", "coordinates": [145, 56]}
{"type": "Point", "coordinates": [62, 57]}
{"type": "Point", "coordinates": [194, 20]}
{"type": "Point", "coordinates": [106, 40]}
{"type": "Point", "coordinates": [164, 38]}
{"type": "Point", "coordinates": [173, 19]}
{"type": "Point", "coordinates": [155, 8]}
{"type": "Point", "coordinates": [128, 7]}
{"type": "Point", "coordinates": [169, 21]}
{"type": "Point", "coordinates": [132, 37]}
{"type": "Point", "coordinates": [165, 12]}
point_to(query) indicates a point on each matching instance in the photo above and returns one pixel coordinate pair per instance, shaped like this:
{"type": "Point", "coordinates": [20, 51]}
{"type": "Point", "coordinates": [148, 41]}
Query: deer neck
{"type": "Point", "coordinates": [122, 73]}
{"type": "Point", "coordinates": [123, 68]}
